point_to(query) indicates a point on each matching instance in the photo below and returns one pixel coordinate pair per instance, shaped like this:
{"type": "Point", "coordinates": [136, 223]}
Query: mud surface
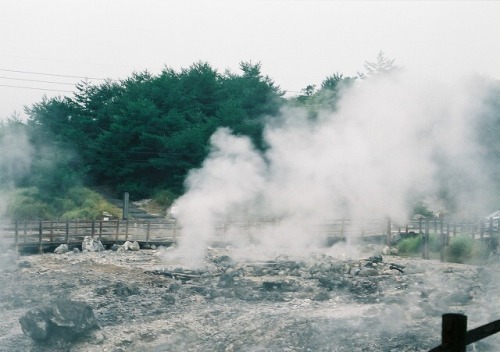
{"type": "Point", "coordinates": [318, 303]}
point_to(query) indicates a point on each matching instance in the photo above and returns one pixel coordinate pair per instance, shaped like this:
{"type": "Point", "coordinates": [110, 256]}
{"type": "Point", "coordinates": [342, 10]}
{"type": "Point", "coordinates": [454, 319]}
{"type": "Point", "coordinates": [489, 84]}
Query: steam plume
{"type": "Point", "coordinates": [394, 137]}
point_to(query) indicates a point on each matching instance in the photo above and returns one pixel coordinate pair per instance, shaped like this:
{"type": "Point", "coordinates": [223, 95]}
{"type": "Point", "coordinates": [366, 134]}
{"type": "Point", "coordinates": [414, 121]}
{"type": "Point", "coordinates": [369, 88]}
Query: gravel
{"type": "Point", "coordinates": [315, 303]}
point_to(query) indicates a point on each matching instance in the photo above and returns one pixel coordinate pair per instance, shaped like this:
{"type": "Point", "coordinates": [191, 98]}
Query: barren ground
{"type": "Point", "coordinates": [317, 303]}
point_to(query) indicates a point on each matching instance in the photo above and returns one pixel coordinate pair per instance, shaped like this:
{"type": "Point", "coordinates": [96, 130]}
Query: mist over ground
{"type": "Point", "coordinates": [393, 139]}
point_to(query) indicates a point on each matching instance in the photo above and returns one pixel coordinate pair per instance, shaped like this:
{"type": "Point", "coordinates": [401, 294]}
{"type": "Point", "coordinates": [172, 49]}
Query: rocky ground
{"type": "Point", "coordinates": [316, 303]}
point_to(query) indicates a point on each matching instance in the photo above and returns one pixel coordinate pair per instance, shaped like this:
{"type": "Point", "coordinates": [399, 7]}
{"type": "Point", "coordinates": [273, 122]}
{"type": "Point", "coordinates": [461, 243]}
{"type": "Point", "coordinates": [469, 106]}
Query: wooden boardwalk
{"type": "Point", "coordinates": [43, 236]}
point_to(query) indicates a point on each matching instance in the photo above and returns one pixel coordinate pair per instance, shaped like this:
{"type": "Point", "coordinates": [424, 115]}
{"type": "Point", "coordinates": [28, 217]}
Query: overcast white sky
{"type": "Point", "coordinates": [297, 42]}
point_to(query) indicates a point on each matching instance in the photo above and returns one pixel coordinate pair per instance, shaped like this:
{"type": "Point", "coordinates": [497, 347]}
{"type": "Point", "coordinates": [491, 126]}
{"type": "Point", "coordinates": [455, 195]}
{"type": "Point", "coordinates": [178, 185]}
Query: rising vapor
{"type": "Point", "coordinates": [394, 138]}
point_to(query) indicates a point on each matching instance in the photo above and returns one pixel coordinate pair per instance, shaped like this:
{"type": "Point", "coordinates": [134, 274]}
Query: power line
{"type": "Point", "coordinates": [51, 74]}
{"type": "Point", "coordinates": [34, 88]}
{"type": "Point", "coordinates": [36, 80]}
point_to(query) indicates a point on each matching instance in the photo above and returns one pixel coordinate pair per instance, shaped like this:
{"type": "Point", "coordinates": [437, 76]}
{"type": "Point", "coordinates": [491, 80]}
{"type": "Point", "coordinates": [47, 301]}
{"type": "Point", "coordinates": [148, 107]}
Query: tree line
{"type": "Point", "coordinates": [144, 133]}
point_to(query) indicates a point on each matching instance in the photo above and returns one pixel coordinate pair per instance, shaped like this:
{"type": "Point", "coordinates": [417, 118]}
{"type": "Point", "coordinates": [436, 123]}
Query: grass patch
{"type": "Point", "coordinates": [77, 203]}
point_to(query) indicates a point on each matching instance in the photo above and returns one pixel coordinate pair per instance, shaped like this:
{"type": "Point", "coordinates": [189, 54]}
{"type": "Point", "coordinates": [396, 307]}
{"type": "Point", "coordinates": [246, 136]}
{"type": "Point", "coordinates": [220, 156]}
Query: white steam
{"type": "Point", "coordinates": [393, 138]}
{"type": "Point", "coordinates": [16, 154]}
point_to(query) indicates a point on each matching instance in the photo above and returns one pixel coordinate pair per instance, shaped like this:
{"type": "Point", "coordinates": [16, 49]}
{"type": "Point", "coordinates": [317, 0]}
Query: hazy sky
{"type": "Point", "coordinates": [297, 42]}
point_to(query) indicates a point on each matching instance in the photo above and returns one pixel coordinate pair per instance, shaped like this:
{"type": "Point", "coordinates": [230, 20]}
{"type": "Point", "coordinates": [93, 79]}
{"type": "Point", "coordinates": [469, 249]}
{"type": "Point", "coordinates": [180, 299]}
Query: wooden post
{"type": "Point", "coordinates": [67, 232]}
{"type": "Point", "coordinates": [147, 232]}
{"type": "Point", "coordinates": [447, 233]}
{"type": "Point", "coordinates": [388, 238]}
{"type": "Point", "coordinates": [175, 231]}
{"type": "Point", "coordinates": [40, 233]}
{"type": "Point", "coordinates": [454, 332]}
{"type": "Point", "coordinates": [481, 233]}
{"type": "Point", "coordinates": [441, 241]}
{"type": "Point", "coordinates": [93, 228]}
{"type": "Point", "coordinates": [117, 230]}
{"type": "Point", "coordinates": [25, 231]}
{"type": "Point", "coordinates": [100, 229]}
{"type": "Point", "coordinates": [425, 253]}
{"type": "Point", "coordinates": [126, 230]}
{"type": "Point", "coordinates": [420, 226]}
{"type": "Point", "coordinates": [16, 236]}
{"type": "Point", "coordinates": [455, 229]}
{"type": "Point", "coordinates": [51, 231]}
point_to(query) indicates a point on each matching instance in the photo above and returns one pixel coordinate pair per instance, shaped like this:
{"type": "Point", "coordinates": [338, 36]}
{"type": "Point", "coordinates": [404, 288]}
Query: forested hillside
{"type": "Point", "coordinates": [144, 133]}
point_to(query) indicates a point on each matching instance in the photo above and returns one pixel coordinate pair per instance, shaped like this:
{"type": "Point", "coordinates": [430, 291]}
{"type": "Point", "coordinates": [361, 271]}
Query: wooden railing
{"type": "Point", "coordinates": [454, 334]}
{"type": "Point", "coordinates": [42, 232]}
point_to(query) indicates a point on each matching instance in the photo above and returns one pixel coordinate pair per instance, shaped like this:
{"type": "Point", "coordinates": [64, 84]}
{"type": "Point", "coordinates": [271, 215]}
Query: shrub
{"type": "Point", "coordinates": [76, 203]}
{"type": "Point", "coordinates": [164, 198]}
{"type": "Point", "coordinates": [460, 249]}
{"type": "Point", "coordinates": [410, 246]}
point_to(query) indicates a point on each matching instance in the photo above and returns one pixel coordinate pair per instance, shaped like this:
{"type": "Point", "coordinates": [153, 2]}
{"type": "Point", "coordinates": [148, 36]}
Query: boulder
{"type": "Point", "coordinates": [134, 246]}
{"type": "Point", "coordinates": [63, 248]}
{"type": "Point", "coordinates": [60, 323]}
{"type": "Point", "coordinates": [91, 244]}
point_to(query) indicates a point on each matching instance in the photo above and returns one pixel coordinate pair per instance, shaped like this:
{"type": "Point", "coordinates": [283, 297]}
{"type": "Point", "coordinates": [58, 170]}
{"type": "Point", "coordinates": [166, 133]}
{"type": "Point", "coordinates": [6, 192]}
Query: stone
{"type": "Point", "coordinates": [76, 250]}
{"type": "Point", "coordinates": [91, 244]}
{"type": "Point", "coordinates": [61, 322]}
{"type": "Point", "coordinates": [134, 246]}
{"type": "Point", "coordinates": [386, 250]}
{"type": "Point", "coordinates": [394, 251]}
{"type": "Point", "coordinates": [63, 248]}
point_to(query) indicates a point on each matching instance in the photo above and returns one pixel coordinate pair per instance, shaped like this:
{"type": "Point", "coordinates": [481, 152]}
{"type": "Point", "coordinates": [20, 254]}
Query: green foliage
{"type": "Point", "coordinates": [410, 246]}
{"type": "Point", "coordinates": [77, 203]}
{"type": "Point", "coordinates": [147, 131]}
{"type": "Point", "coordinates": [164, 198]}
{"type": "Point", "coordinates": [460, 249]}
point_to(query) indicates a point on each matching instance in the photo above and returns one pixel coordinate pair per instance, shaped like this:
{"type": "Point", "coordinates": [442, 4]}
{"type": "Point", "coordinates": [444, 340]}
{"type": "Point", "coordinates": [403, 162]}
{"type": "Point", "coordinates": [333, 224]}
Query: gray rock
{"type": "Point", "coordinates": [76, 250]}
{"type": "Point", "coordinates": [63, 248]}
{"type": "Point", "coordinates": [134, 246]}
{"type": "Point", "coordinates": [61, 322]}
{"type": "Point", "coordinates": [91, 244]}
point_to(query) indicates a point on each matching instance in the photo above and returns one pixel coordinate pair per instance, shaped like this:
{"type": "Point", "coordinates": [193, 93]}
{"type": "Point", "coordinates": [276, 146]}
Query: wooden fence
{"type": "Point", "coordinates": [454, 334]}
{"type": "Point", "coordinates": [163, 231]}
{"type": "Point", "coordinates": [43, 234]}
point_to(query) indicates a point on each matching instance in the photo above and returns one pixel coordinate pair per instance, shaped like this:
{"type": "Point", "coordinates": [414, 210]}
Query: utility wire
{"type": "Point", "coordinates": [51, 74]}
{"type": "Point", "coordinates": [34, 88]}
{"type": "Point", "coordinates": [36, 80]}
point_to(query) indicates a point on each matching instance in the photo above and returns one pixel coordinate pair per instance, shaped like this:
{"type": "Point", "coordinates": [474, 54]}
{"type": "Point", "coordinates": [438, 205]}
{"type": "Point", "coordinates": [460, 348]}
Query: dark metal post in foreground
{"type": "Point", "coordinates": [454, 332]}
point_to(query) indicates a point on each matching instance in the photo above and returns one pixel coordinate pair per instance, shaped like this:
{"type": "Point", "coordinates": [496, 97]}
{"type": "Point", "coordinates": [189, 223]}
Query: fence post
{"type": "Point", "coordinates": [442, 241]}
{"type": "Point", "coordinates": [40, 232]}
{"type": "Point", "coordinates": [420, 226]}
{"type": "Point", "coordinates": [117, 230]}
{"type": "Point", "coordinates": [25, 231]}
{"type": "Point", "coordinates": [100, 229]}
{"type": "Point", "coordinates": [147, 232]}
{"type": "Point", "coordinates": [93, 228]}
{"type": "Point", "coordinates": [67, 232]}
{"type": "Point", "coordinates": [17, 236]}
{"type": "Point", "coordinates": [126, 230]}
{"type": "Point", "coordinates": [388, 238]}
{"type": "Point", "coordinates": [454, 332]}
{"type": "Point", "coordinates": [51, 231]}
{"type": "Point", "coordinates": [447, 233]}
{"type": "Point", "coordinates": [175, 231]}
{"type": "Point", "coordinates": [481, 233]}
{"type": "Point", "coordinates": [425, 247]}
